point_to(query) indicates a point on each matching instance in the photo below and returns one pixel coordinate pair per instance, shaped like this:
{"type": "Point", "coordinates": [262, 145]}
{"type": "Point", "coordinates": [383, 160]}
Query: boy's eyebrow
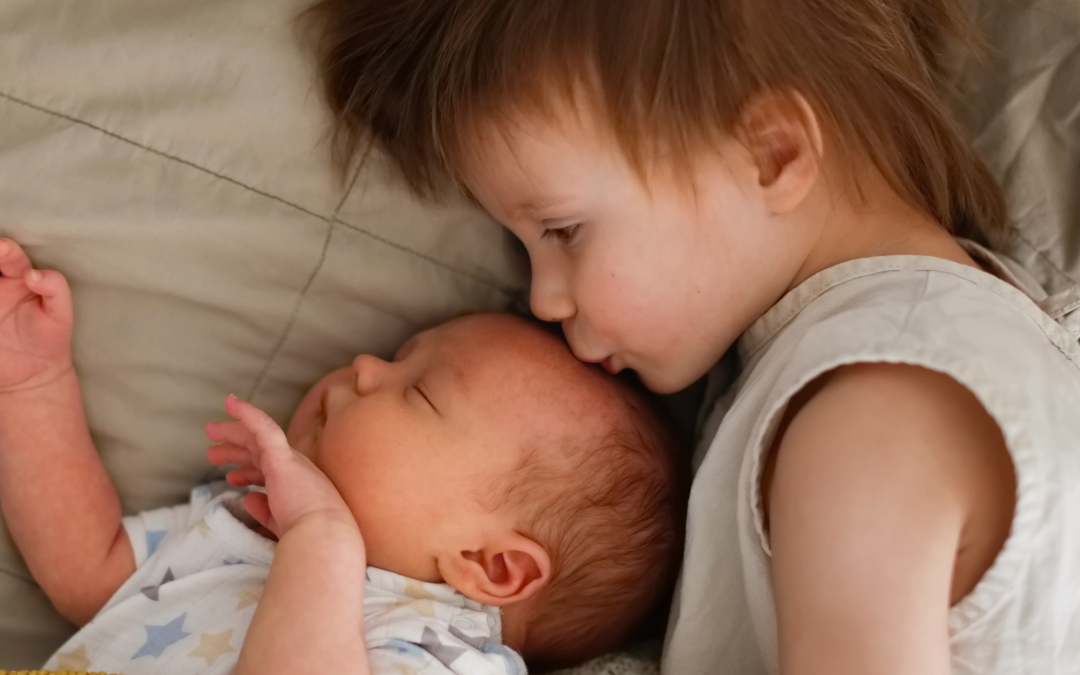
{"type": "Point", "coordinates": [530, 207]}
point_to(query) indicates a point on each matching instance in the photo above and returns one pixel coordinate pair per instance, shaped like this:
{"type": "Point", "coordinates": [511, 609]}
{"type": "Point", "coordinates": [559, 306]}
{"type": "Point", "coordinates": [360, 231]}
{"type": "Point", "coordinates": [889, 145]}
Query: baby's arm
{"type": "Point", "coordinates": [311, 612]}
{"type": "Point", "coordinates": [59, 503]}
{"type": "Point", "coordinates": [875, 483]}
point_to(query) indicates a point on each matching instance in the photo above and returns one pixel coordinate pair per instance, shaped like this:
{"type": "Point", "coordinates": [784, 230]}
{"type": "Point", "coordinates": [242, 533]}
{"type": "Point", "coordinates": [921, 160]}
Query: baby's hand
{"type": "Point", "coordinates": [35, 322]}
{"type": "Point", "coordinates": [295, 487]}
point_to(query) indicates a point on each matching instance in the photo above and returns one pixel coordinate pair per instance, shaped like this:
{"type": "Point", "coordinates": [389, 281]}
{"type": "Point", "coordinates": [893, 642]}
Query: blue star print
{"type": "Point", "coordinates": [160, 638]}
{"type": "Point", "coordinates": [403, 648]}
{"type": "Point", "coordinates": [153, 540]}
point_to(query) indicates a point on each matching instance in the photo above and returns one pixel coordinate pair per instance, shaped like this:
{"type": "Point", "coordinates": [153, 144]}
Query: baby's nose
{"type": "Point", "coordinates": [370, 372]}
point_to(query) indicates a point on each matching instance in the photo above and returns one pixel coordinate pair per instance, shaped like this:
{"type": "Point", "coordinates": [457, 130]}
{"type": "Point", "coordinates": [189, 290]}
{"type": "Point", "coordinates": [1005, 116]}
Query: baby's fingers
{"type": "Point", "coordinates": [228, 453]}
{"type": "Point", "coordinates": [267, 433]}
{"type": "Point", "coordinates": [13, 260]}
{"type": "Point", "coordinates": [230, 432]}
{"type": "Point", "coordinates": [257, 504]}
{"type": "Point", "coordinates": [54, 292]}
{"type": "Point", "coordinates": [245, 475]}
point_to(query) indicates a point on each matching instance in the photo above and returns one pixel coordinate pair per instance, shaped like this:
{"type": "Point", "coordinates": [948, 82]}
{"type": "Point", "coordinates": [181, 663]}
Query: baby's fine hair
{"type": "Point", "coordinates": [413, 77]}
{"type": "Point", "coordinates": [608, 502]}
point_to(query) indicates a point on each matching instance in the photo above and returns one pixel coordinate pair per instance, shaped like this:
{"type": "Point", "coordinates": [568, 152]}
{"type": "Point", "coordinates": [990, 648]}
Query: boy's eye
{"type": "Point", "coordinates": [561, 234]}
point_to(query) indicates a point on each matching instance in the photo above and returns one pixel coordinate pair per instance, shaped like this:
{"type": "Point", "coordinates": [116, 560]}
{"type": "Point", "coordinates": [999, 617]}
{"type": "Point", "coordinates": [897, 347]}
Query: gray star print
{"type": "Point", "coordinates": [152, 591]}
{"type": "Point", "coordinates": [446, 654]}
{"type": "Point", "coordinates": [477, 643]}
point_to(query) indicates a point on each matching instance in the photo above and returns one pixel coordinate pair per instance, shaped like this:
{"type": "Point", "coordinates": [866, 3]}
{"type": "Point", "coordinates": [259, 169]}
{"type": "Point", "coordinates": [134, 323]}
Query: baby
{"type": "Point", "coordinates": [508, 502]}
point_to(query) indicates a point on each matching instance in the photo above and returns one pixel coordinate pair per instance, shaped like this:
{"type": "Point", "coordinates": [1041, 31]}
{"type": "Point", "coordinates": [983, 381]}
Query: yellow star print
{"type": "Point", "coordinates": [74, 660]}
{"type": "Point", "coordinates": [423, 607]}
{"type": "Point", "coordinates": [203, 527]}
{"type": "Point", "coordinates": [404, 668]}
{"type": "Point", "coordinates": [415, 589]}
{"type": "Point", "coordinates": [248, 596]}
{"type": "Point", "coordinates": [213, 647]}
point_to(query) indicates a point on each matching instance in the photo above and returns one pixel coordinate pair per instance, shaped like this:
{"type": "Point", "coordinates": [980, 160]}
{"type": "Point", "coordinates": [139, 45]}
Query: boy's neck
{"type": "Point", "coordinates": [880, 223]}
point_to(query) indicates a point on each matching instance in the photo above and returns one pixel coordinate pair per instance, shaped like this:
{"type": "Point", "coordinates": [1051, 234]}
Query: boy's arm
{"type": "Point", "coordinates": [875, 479]}
{"type": "Point", "coordinates": [59, 503]}
{"type": "Point", "coordinates": [311, 612]}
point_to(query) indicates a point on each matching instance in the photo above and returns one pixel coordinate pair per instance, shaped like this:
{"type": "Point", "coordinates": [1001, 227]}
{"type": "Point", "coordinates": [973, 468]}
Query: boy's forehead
{"type": "Point", "coordinates": [530, 147]}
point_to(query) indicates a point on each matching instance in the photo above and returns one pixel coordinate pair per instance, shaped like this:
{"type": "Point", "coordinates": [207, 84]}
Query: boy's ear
{"type": "Point", "coordinates": [782, 134]}
{"type": "Point", "coordinates": [508, 570]}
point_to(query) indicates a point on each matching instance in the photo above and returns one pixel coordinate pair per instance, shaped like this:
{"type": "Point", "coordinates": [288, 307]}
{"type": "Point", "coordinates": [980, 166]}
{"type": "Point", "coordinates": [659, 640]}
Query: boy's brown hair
{"type": "Point", "coordinates": [411, 76]}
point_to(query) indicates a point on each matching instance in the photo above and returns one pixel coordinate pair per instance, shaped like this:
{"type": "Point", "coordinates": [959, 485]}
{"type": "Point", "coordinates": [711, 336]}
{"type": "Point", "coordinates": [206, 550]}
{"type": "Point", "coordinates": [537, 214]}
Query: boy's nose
{"type": "Point", "coordinates": [550, 299]}
{"type": "Point", "coordinates": [370, 371]}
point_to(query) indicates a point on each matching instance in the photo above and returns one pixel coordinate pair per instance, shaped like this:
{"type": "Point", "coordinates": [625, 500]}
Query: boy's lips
{"type": "Point", "coordinates": [605, 362]}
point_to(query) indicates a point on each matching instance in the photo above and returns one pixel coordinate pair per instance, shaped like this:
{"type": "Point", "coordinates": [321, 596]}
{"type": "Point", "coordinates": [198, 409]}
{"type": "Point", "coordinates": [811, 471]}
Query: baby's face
{"type": "Point", "coordinates": [416, 445]}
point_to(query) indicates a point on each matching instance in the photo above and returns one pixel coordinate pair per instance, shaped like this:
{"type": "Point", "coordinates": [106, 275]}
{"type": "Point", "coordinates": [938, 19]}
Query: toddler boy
{"type": "Point", "coordinates": [506, 500]}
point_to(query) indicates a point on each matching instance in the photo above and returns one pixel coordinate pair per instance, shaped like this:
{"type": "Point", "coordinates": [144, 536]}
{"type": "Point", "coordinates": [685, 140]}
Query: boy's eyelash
{"type": "Point", "coordinates": [562, 234]}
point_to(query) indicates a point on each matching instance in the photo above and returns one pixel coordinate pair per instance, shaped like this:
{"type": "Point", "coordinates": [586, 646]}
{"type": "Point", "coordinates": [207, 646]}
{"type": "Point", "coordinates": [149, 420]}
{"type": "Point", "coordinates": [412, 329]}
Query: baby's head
{"type": "Point", "coordinates": [487, 457]}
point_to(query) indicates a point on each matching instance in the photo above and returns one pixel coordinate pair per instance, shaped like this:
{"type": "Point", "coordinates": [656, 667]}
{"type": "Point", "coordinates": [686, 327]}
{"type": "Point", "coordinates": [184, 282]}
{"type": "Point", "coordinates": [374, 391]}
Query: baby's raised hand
{"type": "Point", "coordinates": [35, 322]}
{"type": "Point", "coordinates": [295, 487]}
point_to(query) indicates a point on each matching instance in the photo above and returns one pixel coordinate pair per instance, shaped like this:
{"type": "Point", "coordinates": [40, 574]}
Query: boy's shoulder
{"type": "Point", "coordinates": [866, 421]}
{"type": "Point", "coordinates": [884, 473]}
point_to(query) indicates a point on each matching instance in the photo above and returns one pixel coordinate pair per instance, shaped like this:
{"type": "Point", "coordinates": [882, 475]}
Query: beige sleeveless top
{"type": "Point", "coordinates": [995, 339]}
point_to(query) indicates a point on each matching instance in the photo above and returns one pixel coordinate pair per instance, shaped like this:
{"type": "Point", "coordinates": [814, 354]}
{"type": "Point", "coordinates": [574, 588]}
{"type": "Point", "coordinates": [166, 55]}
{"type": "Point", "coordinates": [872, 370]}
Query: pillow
{"type": "Point", "coordinates": [167, 156]}
{"type": "Point", "coordinates": [1023, 110]}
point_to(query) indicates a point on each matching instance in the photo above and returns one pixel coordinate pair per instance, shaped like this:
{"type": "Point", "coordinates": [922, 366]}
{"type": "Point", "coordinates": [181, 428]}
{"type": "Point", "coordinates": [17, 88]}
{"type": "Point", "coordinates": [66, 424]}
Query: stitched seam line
{"type": "Point", "coordinates": [330, 226]}
{"type": "Point", "coordinates": [423, 256]}
{"type": "Point", "coordinates": [159, 153]}
{"type": "Point", "coordinates": [332, 219]}
{"type": "Point", "coordinates": [16, 576]}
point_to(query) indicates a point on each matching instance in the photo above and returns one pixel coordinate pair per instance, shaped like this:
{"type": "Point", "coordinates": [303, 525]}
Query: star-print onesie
{"type": "Point", "coordinates": [200, 573]}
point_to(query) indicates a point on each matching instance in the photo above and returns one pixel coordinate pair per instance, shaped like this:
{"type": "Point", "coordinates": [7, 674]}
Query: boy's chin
{"type": "Point", "coordinates": [663, 383]}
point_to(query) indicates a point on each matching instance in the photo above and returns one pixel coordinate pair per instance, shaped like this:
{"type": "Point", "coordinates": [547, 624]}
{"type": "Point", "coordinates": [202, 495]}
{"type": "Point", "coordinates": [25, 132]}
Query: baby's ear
{"type": "Point", "coordinates": [507, 570]}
